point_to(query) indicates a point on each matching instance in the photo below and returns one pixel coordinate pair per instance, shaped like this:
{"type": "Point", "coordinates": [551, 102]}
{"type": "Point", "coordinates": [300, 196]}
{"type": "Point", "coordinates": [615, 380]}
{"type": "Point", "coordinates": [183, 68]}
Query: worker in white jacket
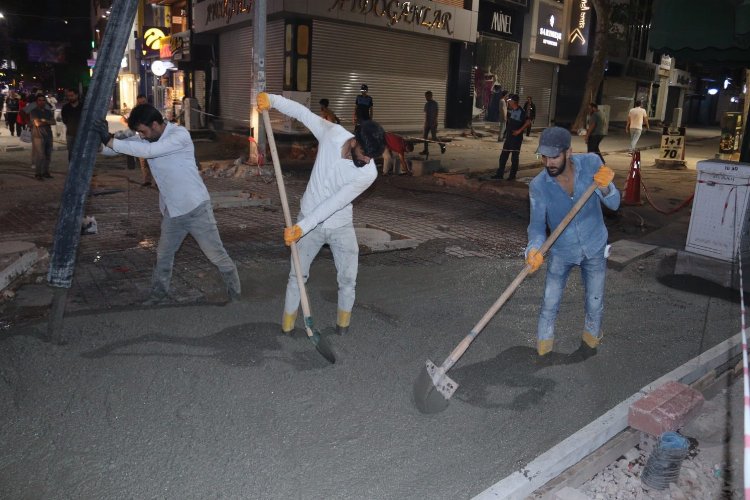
{"type": "Point", "coordinates": [183, 198]}
{"type": "Point", "coordinates": [344, 168]}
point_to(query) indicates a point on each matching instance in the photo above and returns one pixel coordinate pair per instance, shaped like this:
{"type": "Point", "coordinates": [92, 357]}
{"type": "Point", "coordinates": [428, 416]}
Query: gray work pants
{"type": "Point", "coordinates": [200, 223]}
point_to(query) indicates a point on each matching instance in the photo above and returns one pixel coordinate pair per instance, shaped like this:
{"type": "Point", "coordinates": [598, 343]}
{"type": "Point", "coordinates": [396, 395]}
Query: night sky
{"type": "Point", "coordinates": [29, 21]}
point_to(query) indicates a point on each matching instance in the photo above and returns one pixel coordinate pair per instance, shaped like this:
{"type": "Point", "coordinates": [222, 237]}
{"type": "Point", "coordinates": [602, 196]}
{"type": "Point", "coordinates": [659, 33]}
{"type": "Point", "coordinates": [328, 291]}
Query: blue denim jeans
{"type": "Point", "coordinates": [593, 272]}
{"type": "Point", "coordinates": [200, 223]}
{"type": "Point", "coordinates": [343, 244]}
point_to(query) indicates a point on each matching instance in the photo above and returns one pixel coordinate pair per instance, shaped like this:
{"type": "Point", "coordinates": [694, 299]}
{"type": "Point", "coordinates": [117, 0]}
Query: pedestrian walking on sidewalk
{"type": "Point", "coordinates": [517, 123]}
{"type": "Point", "coordinates": [344, 168]}
{"type": "Point", "coordinates": [71, 117]}
{"type": "Point", "coordinates": [503, 115]}
{"type": "Point", "coordinates": [183, 198]}
{"type": "Point", "coordinates": [595, 130]}
{"type": "Point", "coordinates": [637, 120]}
{"type": "Point", "coordinates": [430, 123]}
{"type": "Point", "coordinates": [552, 193]}
{"type": "Point", "coordinates": [41, 118]}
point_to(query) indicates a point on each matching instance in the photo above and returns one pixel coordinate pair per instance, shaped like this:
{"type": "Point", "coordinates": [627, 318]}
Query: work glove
{"type": "Point", "coordinates": [264, 102]}
{"type": "Point", "coordinates": [124, 134]}
{"type": "Point", "coordinates": [535, 259]}
{"type": "Point", "coordinates": [604, 176]}
{"type": "Point", "coordinates": [101, 129]}
{"type": "Point", "coordinates": [292, 234]}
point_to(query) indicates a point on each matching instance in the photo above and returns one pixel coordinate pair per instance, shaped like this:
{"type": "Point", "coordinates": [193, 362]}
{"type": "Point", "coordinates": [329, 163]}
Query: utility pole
{"type": "Point", "coordinates": [87, 143]}
{"type": "Point", "coordinates": [259, 72]}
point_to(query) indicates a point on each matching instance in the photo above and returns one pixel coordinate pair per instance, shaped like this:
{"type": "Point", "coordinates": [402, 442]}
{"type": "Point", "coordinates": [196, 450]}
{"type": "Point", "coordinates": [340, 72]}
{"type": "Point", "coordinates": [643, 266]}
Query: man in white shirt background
{"type": "Point", "coordinates": [183, 198]}
{"type": "Point", "coordinates": [637, 120]}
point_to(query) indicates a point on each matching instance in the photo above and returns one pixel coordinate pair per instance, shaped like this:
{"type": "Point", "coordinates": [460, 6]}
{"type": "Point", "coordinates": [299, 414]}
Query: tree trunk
{"type": "Point", "coordinates": [603, 9]}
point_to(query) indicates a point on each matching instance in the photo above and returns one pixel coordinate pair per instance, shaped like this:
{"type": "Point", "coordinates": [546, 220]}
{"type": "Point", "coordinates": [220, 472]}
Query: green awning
{"type": "Point", "coordinates": [702, 30]}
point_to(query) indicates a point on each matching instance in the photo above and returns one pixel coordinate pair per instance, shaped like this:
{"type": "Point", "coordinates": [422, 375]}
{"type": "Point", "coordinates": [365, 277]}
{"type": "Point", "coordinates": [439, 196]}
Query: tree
{"type": "Point", "coordinates": [603, 9]}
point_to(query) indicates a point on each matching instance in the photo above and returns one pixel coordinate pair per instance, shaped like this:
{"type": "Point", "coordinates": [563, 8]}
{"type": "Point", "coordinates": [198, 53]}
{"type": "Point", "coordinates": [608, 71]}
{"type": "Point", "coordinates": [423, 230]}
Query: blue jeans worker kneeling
{"type": "Point", "coordinates": [552, 193]}
{"type": "Point", "coordinates": [344, 168]}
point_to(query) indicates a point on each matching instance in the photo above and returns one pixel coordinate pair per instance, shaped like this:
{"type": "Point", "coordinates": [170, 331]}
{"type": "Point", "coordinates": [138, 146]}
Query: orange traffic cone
{"type": "Point", "coordinates": [633, 186]}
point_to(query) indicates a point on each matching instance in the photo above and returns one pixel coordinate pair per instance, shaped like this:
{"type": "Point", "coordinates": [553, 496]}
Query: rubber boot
{"type": "Point", "coordinates": [590, 340]}
{"type": "Point", "coordinates": [544, 346]}
{"type": "Point", "coordinates": [343, 318]}
{"type": "Point", "coordinates": [287, 321]}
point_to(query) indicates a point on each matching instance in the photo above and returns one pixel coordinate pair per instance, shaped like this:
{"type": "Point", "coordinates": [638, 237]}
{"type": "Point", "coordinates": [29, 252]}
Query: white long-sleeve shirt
{"type": "Point", "coordinates": [172, 163]}
{"type": "Point", "coordinates": [335, 181]}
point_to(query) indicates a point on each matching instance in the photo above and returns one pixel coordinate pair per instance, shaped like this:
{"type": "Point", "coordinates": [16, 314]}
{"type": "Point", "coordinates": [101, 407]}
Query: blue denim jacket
{"type": "Point", "coordinates": [550, 204]}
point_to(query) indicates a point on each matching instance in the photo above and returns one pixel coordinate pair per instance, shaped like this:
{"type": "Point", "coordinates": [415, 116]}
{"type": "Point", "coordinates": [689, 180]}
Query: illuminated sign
{"type": "Point", "coordinates": [395, 12]}
{"type": "Point", "coordinates": [152, 40]}
{"type": "Point", "coordinates": [498, 20]}
{"type": "Point", "coordinates": [578, 39]}
{"type": "Point", "coordinates": [165, 48]}
{"type": "Point", "coordinates": [549, 33]}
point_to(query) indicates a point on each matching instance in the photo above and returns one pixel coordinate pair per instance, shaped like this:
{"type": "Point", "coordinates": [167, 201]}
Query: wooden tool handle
{"type": "Point", "coordinates": [287, 219]}
{"type": "Point", "coordinates": [460, 349]}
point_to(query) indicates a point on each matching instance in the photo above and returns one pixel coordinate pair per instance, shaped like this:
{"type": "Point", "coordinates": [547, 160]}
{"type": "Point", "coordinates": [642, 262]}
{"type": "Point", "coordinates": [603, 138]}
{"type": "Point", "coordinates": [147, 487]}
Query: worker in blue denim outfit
{"type": "Point", "coordinates": [553, 192]}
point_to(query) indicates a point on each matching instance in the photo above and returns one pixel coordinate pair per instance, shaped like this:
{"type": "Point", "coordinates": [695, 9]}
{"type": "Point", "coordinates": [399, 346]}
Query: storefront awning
{"type": "Point", "coordinates": [701, 30]}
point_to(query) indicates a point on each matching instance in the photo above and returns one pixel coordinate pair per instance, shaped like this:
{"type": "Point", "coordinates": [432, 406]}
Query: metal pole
{"type": "Point", "coordinates": [85, 148]}
{"type": "Point", "coordinates": [259, 72]}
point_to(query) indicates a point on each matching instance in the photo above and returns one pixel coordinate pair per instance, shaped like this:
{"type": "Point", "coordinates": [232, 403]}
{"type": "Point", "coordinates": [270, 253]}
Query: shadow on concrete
{"type": "Point", "coordinates": [249, 344]}
{"type": "Point", "coordinates": [515, 370]}
{"type": "Point", "coordinates": [693, 284]}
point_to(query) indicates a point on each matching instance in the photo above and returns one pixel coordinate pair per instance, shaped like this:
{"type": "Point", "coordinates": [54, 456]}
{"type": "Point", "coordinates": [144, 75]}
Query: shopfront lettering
{"type": "Point", "coordinates": [579, 29]}
{"type": "Point", "coordinates": [226, 9]}
{"type": "Point", "coordinates": [395, 11]}
{"type": "Point", "coordinates": [501, 22]}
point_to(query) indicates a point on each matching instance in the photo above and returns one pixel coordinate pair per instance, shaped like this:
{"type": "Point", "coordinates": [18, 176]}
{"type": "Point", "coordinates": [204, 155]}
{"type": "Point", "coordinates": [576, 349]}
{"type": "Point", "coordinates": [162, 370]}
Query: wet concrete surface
{"type": "Point", "coordinates": [200, 398]}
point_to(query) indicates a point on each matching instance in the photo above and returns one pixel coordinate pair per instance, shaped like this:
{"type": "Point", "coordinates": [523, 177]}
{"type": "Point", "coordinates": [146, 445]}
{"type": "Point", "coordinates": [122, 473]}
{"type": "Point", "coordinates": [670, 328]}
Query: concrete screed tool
{"type": "Point", "coordinates": [434, 388]}
{"type": "Point", "coordinates": [320, 343]}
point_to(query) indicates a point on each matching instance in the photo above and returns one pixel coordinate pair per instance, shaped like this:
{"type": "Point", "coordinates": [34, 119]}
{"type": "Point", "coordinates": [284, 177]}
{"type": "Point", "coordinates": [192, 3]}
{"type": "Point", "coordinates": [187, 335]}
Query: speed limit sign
{"type": "Point", "coordinates": [672, 143]}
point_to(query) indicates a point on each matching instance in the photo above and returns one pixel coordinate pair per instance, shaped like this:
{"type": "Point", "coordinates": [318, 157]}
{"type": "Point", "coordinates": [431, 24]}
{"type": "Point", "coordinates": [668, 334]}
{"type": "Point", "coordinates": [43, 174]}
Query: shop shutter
{"type": "Point", "coordinates": [235, 77]}
{"type": "Point", "coordinates": [537, 80]}
{"type": "Point", "coordinates": [397, 67]}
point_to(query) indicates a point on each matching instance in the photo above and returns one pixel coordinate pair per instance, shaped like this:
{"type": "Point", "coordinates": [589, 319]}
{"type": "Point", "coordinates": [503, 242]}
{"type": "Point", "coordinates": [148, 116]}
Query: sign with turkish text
{"type": "Point", "coordinates": [549, 30]}
{"type": "Point", "coordinates": [580, 27]}
{"type": "Point", "coordinates": [152, 40]}
{"type": "Point", "coordinates": [421, 14]}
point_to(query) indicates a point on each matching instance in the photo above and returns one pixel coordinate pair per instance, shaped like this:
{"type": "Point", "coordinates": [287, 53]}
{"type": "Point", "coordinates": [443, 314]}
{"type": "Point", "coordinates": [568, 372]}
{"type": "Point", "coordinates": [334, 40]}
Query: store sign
{"type": "Point", "coordinates": [165, 50]}
{"type": "Point", "coordinates": [225, 10]}
{"type": "Point", "coordinates": [580, 26]}
{"type": "Point", "coordinates": [394, 12]}
{"type": "Point", "coordinates": [501, 21]}
{"type": "Point", "coordinates": [549, 33]}
{"type": "Point", "coordinates": [152, 40]}
{"type": "Point", "coordinates": [180, 45]}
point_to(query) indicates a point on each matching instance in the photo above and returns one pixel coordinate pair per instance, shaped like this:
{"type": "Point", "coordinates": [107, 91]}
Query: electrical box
{"type": "Point", "coordinates": [720, 222]}
{"type": "Point", "coordinates": [191, 113]}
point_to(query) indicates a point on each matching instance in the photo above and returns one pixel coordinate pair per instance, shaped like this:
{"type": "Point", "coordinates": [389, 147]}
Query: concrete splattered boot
{"type": "Point", "coordinates": [343, 318]}
{"type": "Point", "coordinates": [544, 346]}
{"type": "Point", "coordinates": [287, 321]}
{"type": "Point", "coordinates": [588, 346]}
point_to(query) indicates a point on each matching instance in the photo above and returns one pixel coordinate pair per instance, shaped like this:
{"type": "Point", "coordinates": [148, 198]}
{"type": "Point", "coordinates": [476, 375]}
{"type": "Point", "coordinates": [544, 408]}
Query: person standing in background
{"type": "Point", "coordinates": [517, 123]}
{"type": "Point", "coordinates": [11, 113]}
{"type": "Point", "coordinates": [530, 109]}
{"type": "Point", "coordinates": [148, 179]}
{"type": "Point", "coordinates": [595, 130]}
{"type": "Point", "coordinates": [430, 123]}
{"type": "Point", "coordinates": [71, 117]}
{"type": "Point", "coordinates": [41, 119]}
{"type": "Point", "coordinates": [362, 107]}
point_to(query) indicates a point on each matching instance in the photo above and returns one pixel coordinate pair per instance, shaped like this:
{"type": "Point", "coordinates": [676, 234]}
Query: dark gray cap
{"type": "Point", "coordinates": [553, 141]}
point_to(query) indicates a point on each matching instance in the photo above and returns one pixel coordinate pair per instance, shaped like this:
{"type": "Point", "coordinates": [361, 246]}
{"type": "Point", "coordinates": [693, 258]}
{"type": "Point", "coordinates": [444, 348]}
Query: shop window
{"type": "Point", "coordinates": [297, 41]}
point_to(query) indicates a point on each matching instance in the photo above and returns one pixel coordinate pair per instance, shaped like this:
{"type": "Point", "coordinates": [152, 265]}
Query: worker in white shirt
{"type": "Point", "coordinates": [344, 169]}
{"type": "Point", "coordinates": [183, 198]}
